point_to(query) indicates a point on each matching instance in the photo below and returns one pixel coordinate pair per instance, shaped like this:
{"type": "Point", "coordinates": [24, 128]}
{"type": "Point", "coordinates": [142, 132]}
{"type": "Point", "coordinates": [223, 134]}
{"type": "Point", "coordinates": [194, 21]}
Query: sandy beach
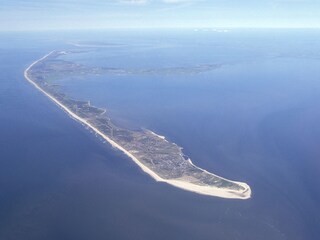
{"type": "Point", "coordinates": [179, 183]}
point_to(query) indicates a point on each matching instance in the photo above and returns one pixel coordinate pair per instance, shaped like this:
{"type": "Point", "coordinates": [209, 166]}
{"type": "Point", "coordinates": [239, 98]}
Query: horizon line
{"type": "Point", "coordinates": [158, 28]}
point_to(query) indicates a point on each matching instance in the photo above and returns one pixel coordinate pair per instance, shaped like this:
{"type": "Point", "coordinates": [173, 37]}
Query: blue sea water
{"type": "Point", "coordinates": [254, 119]}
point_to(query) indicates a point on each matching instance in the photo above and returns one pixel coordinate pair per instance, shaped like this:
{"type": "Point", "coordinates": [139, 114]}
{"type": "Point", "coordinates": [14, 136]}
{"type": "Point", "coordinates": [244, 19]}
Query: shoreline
{"type": "Point", "coordinates": [204, 190]}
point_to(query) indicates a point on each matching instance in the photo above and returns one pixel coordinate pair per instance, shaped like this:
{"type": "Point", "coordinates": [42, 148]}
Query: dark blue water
{"type": "Point", "coordinates": [255, 119]}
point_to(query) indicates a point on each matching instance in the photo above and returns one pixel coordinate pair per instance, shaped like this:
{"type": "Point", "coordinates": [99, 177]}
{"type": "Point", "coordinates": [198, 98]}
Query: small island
{"type": "Point", "coordinates": [162, 160]}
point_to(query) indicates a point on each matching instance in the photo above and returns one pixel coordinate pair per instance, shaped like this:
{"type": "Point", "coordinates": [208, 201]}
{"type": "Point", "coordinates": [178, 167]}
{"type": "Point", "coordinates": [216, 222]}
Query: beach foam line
{"type": "Point", "coordinates": [205, 190]}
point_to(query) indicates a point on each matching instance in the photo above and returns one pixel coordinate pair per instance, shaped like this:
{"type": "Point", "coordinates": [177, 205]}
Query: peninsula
{"type": "Point", "coordinates": [162, 160]}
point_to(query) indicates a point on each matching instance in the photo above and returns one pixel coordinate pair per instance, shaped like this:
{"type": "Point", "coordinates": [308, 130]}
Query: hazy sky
{"type": "Point", "coordinates": [68, 14]}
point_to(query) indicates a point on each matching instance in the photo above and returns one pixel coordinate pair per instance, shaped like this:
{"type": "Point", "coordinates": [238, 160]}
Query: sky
{"type": "Point", "coordinates": [105, 14]}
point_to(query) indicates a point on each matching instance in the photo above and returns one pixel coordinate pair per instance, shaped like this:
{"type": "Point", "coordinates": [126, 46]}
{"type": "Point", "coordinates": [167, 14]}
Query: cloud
{"type": "Point", "coordinates": [138, 2]}
{"type": "Point", "coordinates": [177, 1]}
{"type": "Point", "coordinates": [158, 1]}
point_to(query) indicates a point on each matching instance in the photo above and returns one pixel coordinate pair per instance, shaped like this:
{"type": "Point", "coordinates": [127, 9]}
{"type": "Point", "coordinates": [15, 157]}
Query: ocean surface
{"type": "Point", "coordinates": [254, 118]}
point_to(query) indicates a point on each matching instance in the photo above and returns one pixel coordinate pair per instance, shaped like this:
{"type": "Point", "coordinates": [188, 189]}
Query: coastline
{"type": "Point", "coordinates": [204, 190]}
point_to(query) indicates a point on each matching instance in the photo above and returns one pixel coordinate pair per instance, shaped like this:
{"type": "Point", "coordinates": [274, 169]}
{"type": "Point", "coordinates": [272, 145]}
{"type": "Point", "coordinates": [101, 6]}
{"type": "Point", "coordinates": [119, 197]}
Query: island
{"type": "Point", "coordinates": [154, 154]}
